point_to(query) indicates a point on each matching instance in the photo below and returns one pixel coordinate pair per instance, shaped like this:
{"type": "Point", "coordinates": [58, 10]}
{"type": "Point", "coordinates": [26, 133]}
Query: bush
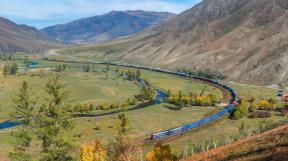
{"type": "Point", "coordinates": [103, 106]}
{"type": "Point", "coordinates": [265, 105]}
{"type": "Point", "coordinates": [241, 110]}
{"type": "Point", "coordinates": [114, 105]}
{"type": "Point", "coordinates": [259, 114]}
{"type": "Point", "coordinates": [97, 128]}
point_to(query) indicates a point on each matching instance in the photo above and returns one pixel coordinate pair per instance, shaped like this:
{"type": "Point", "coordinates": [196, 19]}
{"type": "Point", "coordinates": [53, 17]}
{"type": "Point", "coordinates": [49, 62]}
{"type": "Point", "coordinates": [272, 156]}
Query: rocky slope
{"type": "Point", "coordinates": [14, 38]}
{"type": "Point", "coordinates": [269, 146]}
{"type": "Point", "coordinates": [247, 40]}
{"type": "Point", "coordinates": [106, 27]}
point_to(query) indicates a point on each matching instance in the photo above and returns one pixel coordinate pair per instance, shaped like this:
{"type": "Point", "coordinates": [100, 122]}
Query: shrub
{"type": "Point", "coordinates": [103, 106]}
{"type": "Point", "coordinates": [114, 105]}
{"type": "Point", "coordinates": [241, 110]}
{"type": "Point", "coordinates": [97, 128]}
{"type": "Point", "coordinates": [265, 105]}
{"type": "Point", "coordinates": [261, 114]}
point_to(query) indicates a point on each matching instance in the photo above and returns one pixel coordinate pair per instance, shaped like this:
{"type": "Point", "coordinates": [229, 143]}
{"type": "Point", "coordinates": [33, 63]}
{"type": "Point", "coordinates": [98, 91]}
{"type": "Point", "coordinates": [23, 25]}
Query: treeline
{"type": "Point", "coordinates": [254, 108]}
{"type": "Point", "coordinates": [206, 73]}
{"type": "Point", "coordinates": [193, 99]}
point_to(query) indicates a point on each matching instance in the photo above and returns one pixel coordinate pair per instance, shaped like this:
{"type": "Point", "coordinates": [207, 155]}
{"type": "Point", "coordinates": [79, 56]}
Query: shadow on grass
{"type": "Point", "coordinates": [174, 108]}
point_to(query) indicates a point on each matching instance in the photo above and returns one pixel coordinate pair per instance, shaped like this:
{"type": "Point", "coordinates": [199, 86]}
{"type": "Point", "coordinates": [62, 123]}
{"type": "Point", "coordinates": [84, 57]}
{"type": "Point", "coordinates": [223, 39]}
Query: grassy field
{"type": "Point", "coordinates": [258, 91]}
{"type": "Point", "coordinates": [94, 88]}
{"type": "Point", "coordinates": [223, 128]}
{"type": "Point", "coordinates": [82, 88]}
{"type": "Point", "coordinates": [142, 123]}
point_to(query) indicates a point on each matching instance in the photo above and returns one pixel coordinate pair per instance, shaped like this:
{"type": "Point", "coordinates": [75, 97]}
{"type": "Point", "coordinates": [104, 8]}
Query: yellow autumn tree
{"type": "Point", "coordinates": [86, 153]}
{"type": "Point", "coordinates": [94, 152]}
{"type": "Point", "coordinates": [265, 105]}
{"type": "Point", "coordinates": [161, 153]}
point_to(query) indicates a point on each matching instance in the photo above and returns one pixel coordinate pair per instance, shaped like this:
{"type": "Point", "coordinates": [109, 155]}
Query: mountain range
{"type": "Point", "coordinates": [247, 40]}
{"type": "Point", "coordinates": [106, 27]}
{"type": "Point", "coordinates": [14, 38]}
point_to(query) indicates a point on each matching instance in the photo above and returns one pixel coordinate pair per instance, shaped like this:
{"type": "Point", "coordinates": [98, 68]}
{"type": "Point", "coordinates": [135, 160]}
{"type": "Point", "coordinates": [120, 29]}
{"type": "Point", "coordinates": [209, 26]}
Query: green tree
{"type": "Point", "coordinates": [26, 61]}
{"type": "Point", "coordinates": [23, 104]}
{"type": "Point", "coordinates": [123, 148]}
{"type": "Point", "coordinates": [13, 68]}
{"type": "Point", "coordinates": [138, 73]}
{"type": "Point", "coordinates": [54, 123]}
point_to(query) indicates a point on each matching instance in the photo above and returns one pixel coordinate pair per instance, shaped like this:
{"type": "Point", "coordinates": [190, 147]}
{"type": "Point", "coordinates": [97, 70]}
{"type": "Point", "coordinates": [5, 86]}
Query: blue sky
{"type": "Point", "coordinates": [43, 13]}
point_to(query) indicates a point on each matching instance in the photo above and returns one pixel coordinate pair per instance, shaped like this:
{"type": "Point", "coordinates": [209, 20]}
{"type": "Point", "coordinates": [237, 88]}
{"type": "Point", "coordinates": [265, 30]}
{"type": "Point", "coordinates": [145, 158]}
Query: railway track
{"type": "Point", "coordinates": [186, 128]}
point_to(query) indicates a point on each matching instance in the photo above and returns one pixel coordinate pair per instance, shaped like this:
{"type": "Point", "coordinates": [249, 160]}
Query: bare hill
{"type": "Point", "coordinates": [269, 146]}
{"type": "Point", "coordinates": [14, 38]}
{"type": "Point", "coordinates": [247, 40]}
{"type": "Point", "coordinates": [106, 27]}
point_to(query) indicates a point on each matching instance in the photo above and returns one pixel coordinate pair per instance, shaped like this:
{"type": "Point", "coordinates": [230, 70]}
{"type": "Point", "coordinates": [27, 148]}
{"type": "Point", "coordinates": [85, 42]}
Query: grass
{"type": "Point", "coordinates": [259, 91]}
{"type": "Point", "coordinates": [222, 128]}
{"type": "Point", "coordinates": [82, 87]}
{"type": "Point", "coordinates": [93, 87]}
{"type": "Point", "coordinates": [143, 122]}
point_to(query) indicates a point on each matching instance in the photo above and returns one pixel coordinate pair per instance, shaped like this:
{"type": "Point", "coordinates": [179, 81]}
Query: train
{"type": "Point", "coordinates": [185, 128]}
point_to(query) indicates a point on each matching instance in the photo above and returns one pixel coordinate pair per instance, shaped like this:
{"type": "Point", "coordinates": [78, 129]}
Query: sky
{"type": "Point", "coordinates": [44, 13]}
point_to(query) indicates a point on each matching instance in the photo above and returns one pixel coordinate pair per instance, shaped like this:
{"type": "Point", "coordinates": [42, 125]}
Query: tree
{"type": "Point", "coordinates": [107, 67]}
{"type": "Point", "coordinates": [54, 122]}
{"type": "Point", "coordinates": [138, 73]}
{"type": "Point", "coordinates": [26, 61]}
{"type": "Point", "coordinates": [24, 105]}
{"type": "Point", "coordinates": [265, 105]}
{"type": "Point", "coordinates": [123, 148]}
{"type": "Point", "coordinates": [241, 110]}
{"type": "Point", "coordinates": [161, 153]}
{"type": "Point", "coordinates": [94, 152]}
{"type": "Point", "coordinates": [13, 68]}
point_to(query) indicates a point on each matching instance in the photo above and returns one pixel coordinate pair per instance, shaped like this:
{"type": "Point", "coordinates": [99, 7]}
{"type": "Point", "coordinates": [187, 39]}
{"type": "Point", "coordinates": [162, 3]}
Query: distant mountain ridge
{"type": "Point", "coordinates": [14, 38]}
{"type": "Point", "coordinates": [106, 27]}
{"type": "Point", "coordinates": [247, 40]}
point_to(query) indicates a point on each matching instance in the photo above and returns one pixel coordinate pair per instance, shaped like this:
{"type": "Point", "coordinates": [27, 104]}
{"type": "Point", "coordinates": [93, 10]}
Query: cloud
{"type": "Point", "coordinates": [67, 10]}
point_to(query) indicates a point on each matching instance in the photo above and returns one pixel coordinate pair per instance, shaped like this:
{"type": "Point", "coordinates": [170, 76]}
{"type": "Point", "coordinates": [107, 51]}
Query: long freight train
{"type": "Point", "coordinates": [188, 127]}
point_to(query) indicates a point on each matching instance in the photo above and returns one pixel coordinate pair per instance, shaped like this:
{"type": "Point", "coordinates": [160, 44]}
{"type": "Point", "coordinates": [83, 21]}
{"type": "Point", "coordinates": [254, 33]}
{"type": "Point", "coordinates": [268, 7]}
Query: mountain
{"type": "Point", "coordinates": [107, 27]}
{"type": "Point", "coordinates": [247, 40]}
{"type": "Point", "coordinates": [271, 145]}
{"type": "Point", "coordinates": [14, 38]}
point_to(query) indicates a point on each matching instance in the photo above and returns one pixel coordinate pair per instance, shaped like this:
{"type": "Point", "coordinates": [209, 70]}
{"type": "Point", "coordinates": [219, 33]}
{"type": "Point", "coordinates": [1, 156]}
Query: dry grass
{"type": "Point", "coordinates": [271, 145]}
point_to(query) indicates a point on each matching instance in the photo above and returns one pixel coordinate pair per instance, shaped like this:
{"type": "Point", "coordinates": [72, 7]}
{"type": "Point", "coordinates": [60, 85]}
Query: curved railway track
{"type": "Point", "coordinates": [182, 129]}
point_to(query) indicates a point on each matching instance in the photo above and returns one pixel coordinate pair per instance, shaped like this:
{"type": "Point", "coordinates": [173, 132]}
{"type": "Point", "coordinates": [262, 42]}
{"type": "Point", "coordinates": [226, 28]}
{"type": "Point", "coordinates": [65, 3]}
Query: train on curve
{"type": "Point", "coordinates": [188, 127]}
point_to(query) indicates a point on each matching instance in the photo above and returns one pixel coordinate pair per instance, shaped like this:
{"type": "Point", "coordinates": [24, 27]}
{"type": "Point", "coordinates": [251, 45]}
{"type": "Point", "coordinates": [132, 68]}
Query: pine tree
{"type": "Point", "coordinates": [24, 105]}
{"type": "Point", "coordinates": [26, 61]}
{"type": "Point", "coordinates": [54, 123]}
{"type": "Point", "coordinates": [123, 148]}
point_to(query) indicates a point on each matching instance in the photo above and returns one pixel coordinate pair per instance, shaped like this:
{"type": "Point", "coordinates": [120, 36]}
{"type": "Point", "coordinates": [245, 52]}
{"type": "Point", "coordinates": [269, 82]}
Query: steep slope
{"type": "Point", "coordinates": [269, 146]}
{"type": "Point", "coordinates": [106, 27]}
{"type": "Point", "coordinates": [15, 38]}
{"type": "Point", "coordinates": [247, 40]}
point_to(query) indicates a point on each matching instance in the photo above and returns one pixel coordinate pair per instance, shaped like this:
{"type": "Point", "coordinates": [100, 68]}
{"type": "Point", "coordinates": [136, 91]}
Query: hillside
{"type": "Point", "coordinates": [14, 38]}
{"type": "Point", "coordinates": [271, 145]}
{"type": "Point", "coordinates": [105, 27]}
{"type": "Point", "coordinates": [247, 40]}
